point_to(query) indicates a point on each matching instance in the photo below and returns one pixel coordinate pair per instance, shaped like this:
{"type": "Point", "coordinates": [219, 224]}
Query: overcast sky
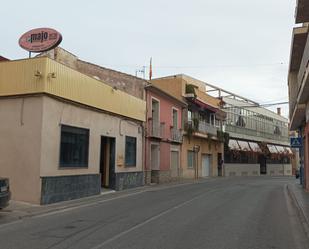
{"type": "Point", "coordinates": [240, 45]}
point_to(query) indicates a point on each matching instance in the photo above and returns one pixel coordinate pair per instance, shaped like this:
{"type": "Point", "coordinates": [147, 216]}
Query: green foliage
{"type": "Point", "coordinates": [191, 89]}
{"type": "Point", "coordinates": [223, 137]}
{"type": "Point", "coordinates": [196, 122]}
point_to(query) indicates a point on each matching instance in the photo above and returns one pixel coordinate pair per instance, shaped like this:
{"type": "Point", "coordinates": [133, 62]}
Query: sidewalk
{"type": "Point", "coordinates": [301, 201]}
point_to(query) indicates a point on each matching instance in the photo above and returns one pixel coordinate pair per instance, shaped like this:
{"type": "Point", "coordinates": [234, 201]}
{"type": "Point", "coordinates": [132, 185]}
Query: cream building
{"type": "Point", "coordinates": [65, 135]}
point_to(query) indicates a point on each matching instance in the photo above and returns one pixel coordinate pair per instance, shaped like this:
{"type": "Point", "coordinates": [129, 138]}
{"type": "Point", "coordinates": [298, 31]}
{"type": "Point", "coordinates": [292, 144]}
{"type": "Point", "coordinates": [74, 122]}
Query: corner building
{"type": "Point", "coordinates": [65, 135]}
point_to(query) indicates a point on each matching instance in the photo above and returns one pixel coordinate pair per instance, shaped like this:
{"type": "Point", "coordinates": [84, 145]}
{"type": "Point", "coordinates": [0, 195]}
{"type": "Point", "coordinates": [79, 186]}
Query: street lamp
{"type": "Point", "coordinates": [196, 149]}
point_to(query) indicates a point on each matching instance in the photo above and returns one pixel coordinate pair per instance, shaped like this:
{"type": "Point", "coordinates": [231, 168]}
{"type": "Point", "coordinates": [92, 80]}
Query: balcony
{"type": "Point", "coordinates": [176, 135]}
{"type": "Point", "coordinates": [256, 134]}
{"type": "Point", "coordinates": [298, 77]}
{"type": "Point", "coordinates": [156, 129]}
{"type": "Point", "coordinates": [302, 11]}
{"type": "Point", "coordinates": [201, 128]}
{"type": "Point", "coordinates": [204, 127]}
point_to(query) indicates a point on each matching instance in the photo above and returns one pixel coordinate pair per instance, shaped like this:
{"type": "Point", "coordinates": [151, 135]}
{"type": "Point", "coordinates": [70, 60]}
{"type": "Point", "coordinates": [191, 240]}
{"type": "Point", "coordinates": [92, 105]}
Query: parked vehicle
{"type": "Point", "coordinates": [5, 194]}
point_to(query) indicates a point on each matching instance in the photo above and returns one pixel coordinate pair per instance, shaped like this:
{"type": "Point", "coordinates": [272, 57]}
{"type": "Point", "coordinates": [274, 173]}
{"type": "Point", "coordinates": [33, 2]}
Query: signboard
{"type": "Point", "coordinates": [296, 142]}
{"type": "Point", "coordinates": [40, 40]}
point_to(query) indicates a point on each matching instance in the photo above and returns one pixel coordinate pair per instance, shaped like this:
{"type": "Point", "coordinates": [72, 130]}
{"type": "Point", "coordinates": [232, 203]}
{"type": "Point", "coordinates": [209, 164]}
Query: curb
{"type": "Point", "coordinates": [301, 213]}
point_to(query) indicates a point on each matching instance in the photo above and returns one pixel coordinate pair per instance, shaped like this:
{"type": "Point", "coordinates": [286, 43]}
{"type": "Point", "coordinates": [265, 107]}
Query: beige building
{"type": "Point", "coordinates": [202, 148]}
{"type": "Point", "coordinates": [65, 135]}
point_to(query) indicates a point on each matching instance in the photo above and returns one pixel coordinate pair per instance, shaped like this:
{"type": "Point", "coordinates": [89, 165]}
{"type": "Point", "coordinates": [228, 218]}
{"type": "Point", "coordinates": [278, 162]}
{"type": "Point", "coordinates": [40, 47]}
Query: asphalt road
{"type": "Point", "coordinates": [235, 213]}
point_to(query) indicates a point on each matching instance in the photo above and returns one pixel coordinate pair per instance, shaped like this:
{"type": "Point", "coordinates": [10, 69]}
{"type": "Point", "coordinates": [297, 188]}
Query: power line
{"type": "Point", "coordinates": [201, 66]}
{"type": "Point", "coordinates": [255, 106]}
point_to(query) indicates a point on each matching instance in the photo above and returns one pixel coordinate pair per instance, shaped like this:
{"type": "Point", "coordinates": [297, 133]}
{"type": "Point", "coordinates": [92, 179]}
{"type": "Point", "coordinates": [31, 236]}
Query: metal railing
{"type": "Point", "coordinates": [205, 127]}
{"type": "Point", "coordinates": [255, 133]}
{"type": "Point", "coordinates": [156, 129]}
{"type": "Point", "coordinates": [176, 135]}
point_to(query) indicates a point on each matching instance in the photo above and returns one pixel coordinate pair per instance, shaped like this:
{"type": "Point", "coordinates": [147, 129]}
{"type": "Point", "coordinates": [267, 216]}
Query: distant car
{"type": "Point", "coordinates": [5, 194]}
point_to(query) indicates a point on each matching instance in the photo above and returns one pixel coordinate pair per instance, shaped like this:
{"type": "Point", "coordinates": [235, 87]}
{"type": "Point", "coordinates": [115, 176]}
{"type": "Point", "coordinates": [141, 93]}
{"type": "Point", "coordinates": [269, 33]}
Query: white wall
{"type": "Point", "coordinates": [100, 124]}
{"type": "Point", "coordinates": [20, 146]}
{"type": "Point", "coordinates": [235, 169]}
{"type": "Point", "coordinates": [279, 169]}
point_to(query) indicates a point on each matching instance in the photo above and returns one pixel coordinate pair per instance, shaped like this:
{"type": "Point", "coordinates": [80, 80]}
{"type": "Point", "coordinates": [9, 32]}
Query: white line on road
{"type": "Point", "coordinates": [63, 210]}
{"type": "Point", "coordinates": [67, 209]}
{"type": "Point", "coordinates": [150, 220]}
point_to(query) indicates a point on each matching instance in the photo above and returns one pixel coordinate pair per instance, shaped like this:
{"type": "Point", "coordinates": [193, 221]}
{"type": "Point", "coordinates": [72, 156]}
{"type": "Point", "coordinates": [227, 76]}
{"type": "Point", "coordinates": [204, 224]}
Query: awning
{"type": "Point", "coordinates": [288, 150]}
{"type": "Point", "coordinates": [255, 147]}
{"type": "Point", "coordinates": [280, 149]}
{"type": "Point", "coordinates": [272, 148]}
{"type": "Point", "coordinates": [205, 106]}
{"type": "Point", "coordinates": [244, 145]}
{"type": "Point", "coordinates": [233, 145]}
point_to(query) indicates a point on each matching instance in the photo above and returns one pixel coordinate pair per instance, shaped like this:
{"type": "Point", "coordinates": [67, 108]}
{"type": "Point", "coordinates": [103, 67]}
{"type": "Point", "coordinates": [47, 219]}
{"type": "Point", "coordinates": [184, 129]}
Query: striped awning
{"type": "Point", "coordinates": [255, 147]}
{"type": "Point", "coordinates": [272, 148]}
{"type": "Point", "coordinates": [244, 145]}
{"type": "Point", "coordinates": [233, 145]}
{"type": "Point", "coordinates": [280, 149]}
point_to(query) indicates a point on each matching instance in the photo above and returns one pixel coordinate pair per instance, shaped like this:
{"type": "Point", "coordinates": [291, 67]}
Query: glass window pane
{"type": "Point", "coordinates": [74, 147]}
{"type": "Point", "coordinates": [130, 151]}
{"type": "Point", "coordinates": [190, 158]}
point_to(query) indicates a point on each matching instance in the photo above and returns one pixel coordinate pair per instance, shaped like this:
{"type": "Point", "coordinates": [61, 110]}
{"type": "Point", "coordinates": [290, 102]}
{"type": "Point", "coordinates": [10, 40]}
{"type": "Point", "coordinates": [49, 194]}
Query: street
{"type": "Point", "coordinates": [226, 213]}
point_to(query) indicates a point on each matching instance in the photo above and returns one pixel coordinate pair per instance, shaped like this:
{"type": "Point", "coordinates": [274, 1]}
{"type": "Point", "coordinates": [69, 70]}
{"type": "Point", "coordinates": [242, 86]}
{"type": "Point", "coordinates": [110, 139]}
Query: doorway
{"type": "Point", "coordinates": [220, 164]}
{"type": "Point", "coordinates": [155, 157]}
{"type": "Point", "coordinates": [174, 164]}
{"type": "Point", "coordinates": [263, 166]}
{"type": "Point", "coordinates": [206, 161]}
{"type": "Point", "coordinates": [107, 162]}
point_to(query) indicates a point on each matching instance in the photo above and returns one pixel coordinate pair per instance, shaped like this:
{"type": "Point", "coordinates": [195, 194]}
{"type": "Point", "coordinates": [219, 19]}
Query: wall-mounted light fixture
{"type": "Point", "coordinates": [37, 73]}
{"type": "Point", "coordinates": [52, 75]}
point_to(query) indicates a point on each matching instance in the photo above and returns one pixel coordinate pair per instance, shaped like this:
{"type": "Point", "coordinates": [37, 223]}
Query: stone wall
{"type": "Point", "coordinates": [62, 188]}
{"type": "Point", "coordinates": [126, 180]}
{"type": "Point", "coordinates": [161, 176]}
{"type": "Point", "coordinates": [122, 81]}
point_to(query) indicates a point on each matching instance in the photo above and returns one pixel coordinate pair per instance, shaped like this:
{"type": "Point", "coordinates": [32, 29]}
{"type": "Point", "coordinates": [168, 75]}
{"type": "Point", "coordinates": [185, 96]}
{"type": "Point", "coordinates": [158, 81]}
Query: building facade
{"type": "Point", "coordinates": [202, 150]}
{"type": "Point", "coordinates": [298, 82]}
{"type": "Point", "coordinates": [65, 135]}
{"type": "Point", "coordinates": [258, 138]}
{"type": "Point", "coordinates": [164, 136]}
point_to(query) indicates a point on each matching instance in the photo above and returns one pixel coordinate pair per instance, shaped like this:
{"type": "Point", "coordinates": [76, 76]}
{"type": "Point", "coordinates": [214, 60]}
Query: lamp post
{"type": "Point", "coordinates": [196, 149]}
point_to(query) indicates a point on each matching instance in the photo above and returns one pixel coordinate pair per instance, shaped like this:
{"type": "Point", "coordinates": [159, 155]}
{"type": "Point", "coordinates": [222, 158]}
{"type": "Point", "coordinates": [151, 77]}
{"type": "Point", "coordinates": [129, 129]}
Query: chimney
{"type": "Point", "coordinates": [279, 111]}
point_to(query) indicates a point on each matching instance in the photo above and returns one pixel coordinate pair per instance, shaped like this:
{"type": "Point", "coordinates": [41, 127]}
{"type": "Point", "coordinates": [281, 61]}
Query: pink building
{"type": "Point", "coordinates": [164, 131]}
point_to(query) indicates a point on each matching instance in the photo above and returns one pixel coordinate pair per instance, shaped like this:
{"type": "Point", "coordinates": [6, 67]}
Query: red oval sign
{"type": "Point", "coordinates": [40, 40]}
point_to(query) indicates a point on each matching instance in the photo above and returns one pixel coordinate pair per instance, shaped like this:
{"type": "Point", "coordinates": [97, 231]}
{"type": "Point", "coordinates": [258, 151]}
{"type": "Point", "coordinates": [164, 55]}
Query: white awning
{"type": "Point", "coordinates": [288, 150]}
{"type": "Point", "coordinates": [272, 148]}
{"type": "Point", "coordinates": [233, 144]}
{"type": "Point", "coordinates": [280, 149]}
{"type": "Point", "coordinates": [255, 147]}
{"type": "Point", "coordinates": [244, 145]}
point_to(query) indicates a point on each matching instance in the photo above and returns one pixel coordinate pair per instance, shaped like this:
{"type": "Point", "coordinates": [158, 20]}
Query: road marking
{"type": "Point", "coordinates": [10, 223]}
{"type": "Point", "coordinates": [67, 209]}
{"type": "Point", "coordinates": [155, 217]}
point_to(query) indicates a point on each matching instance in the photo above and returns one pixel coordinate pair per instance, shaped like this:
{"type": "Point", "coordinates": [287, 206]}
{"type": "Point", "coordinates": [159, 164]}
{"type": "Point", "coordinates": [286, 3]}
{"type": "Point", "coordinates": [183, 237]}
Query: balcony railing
{"type": "Point", "coordinates": [176, 135]}
{"type": "Point", "coordinates": [255, 133]}
{"type": "Point", "coordinates": [205, 127]}
{"type": "Point", "coordinates": [156, 129]}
